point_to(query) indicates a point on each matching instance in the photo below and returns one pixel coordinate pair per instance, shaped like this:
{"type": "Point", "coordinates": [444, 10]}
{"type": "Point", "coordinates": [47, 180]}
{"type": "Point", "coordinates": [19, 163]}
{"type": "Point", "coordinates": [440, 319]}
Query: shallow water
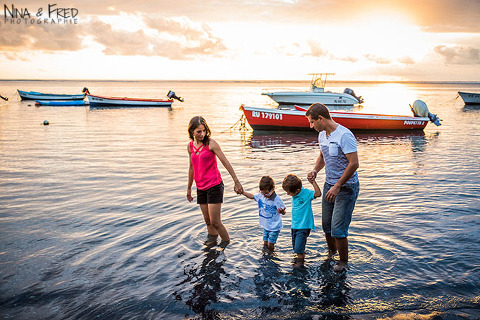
{"type": "Point", "coordinates": [94, 222]}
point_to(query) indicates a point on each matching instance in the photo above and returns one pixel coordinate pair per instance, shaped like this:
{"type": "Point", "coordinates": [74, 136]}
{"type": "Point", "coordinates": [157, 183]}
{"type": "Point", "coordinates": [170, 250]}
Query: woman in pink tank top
{"type": "Point", "coordinates": [202, 153]}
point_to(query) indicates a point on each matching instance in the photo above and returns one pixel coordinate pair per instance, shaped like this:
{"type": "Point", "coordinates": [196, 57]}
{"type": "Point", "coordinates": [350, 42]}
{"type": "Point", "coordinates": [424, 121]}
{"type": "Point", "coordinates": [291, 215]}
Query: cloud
{"type": "Point", "coordinates": [197, 39]}
{"type": "Point", "coordinates": [316, 50]}
{"type": "Point", "coordinates": [48, 37]}
{"type": "Point", "coordinates": [459, 55]}
{"type": "Point", "coordinates": [376, 59]}
{"type": "Point", "coordinates": [406, 60]}
{"type": "Point", "coordinates": [176, 39]}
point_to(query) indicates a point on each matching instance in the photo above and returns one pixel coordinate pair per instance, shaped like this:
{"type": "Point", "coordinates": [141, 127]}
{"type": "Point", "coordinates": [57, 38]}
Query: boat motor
{"type": "Point", "coordinates": [172, 95]}
{"type": "Point", "coordinates": [350, 92]}
{"type": "Point", "coordinates": [85, 90]}
{"type": "Point", "coordinates": [420, 109]}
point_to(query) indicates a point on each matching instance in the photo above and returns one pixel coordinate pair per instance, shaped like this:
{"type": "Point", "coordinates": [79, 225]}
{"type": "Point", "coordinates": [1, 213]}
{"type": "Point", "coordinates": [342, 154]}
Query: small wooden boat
{"type": "Point", "coordinates": [316, 94]}
{"type": "Point", "coordinates": [294, 119]}
{"type": "Point", "coordinates": [60, 103]}
{"type": "Point", "coordinates": [98, 101]}
{"type": "Point", "coordinates": [469, 97]}
{"type": "Point", "coordinates": [32, 95]}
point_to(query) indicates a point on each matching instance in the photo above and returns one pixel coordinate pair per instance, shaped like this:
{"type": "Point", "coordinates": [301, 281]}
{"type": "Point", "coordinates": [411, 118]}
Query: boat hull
{"type": "Point", "coordinates": [98, 101]}
{"type": "Point", "coordinates": [32, 95]}
{"type": "Point", "coordinates": [469, 97]}
{"type": "Point", "coordinates": [60, 102]}
{"type": "Point", "coordinates": [307, 98]}
{"type": "Point", "coordinates": [279, 119]}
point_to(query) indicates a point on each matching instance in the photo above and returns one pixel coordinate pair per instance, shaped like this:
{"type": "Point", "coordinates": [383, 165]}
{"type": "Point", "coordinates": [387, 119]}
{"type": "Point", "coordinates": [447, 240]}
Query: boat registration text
{"type": "Point", "coordinates": [413, 122]}
{"type": "Point", "coordinates": [266, 115]}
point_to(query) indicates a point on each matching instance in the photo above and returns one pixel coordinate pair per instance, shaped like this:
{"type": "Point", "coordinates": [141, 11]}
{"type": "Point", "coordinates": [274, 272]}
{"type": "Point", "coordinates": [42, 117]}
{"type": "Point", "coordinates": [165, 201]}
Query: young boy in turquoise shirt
{"type": "Point", "coordinates": [302, 213]}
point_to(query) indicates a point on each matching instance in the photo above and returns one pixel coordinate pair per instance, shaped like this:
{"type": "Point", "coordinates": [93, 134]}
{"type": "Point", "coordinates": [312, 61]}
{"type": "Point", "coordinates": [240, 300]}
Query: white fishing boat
{"type": "Point", "coordinates": [470, 97]}
{"type": "Point", "coordinates": [316, 94]}
{"type": "Point", "coordinates": [98, 101]}
{"type": "Point", "coordinates": [101, 101]}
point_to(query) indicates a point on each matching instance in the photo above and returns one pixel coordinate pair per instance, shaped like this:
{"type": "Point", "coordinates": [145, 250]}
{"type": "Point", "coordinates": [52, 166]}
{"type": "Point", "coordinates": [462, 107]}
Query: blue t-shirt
{"type": "Point", "coordinates": [302, 213]}
{"type": "Point", "coordinates": [268, 215]}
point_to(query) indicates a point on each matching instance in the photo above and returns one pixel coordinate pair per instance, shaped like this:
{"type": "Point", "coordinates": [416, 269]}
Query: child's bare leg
{"type": "Point", "coordinates": [300, 260]}
{"type": "Point", "coordinates": [270, 246]}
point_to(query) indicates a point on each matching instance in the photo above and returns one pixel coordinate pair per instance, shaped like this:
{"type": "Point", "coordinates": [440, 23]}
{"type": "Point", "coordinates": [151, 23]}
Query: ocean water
{"type": "Point", "coordinates": [94, 221]}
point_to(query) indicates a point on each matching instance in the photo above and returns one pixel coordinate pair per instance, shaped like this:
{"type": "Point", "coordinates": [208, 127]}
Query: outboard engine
{"type": "Point", "coordinates": [172, 95]}
{"type": "Point", "coordinates": [352, 93]}
{"type": "Point", "coordinates": [85, 90]}
{"type": "Point", "coordinates": [420, 109]}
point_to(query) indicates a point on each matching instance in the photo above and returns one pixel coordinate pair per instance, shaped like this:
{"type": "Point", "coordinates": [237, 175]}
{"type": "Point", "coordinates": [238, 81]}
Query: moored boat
{"type": "Point", "coordinates": [470, 97]}
{"type": "Point", "coordinates": [282, 119]}
{"type": "Point", "coordinates": [316, 94]}
{"type": "Point", "coordinates": [32, 95]}
{"type": "Point", "coordinates": [99, 101]}
{"type": "Point", "coordinates": [61, 102]}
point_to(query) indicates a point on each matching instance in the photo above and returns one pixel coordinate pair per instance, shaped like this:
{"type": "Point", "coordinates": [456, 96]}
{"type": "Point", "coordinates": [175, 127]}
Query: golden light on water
{"type": "Point", "coordinates": [389, 98]}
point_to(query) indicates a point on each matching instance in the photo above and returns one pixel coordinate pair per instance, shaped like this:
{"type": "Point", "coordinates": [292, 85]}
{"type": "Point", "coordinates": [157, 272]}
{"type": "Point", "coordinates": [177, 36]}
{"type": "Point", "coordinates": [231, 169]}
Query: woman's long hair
{"type": "Point", "coordinates": [194, 123]}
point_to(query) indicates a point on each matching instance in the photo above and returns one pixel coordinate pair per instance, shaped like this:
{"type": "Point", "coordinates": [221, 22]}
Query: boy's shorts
{"type": "Point", "coordinates": [270, 236]}
{"type": "Point", "coordinates": [211, 195]}
{"type": "Point", "coordinates": [337, 215]}
{"type": "Point", "coordinates": [299, 239]}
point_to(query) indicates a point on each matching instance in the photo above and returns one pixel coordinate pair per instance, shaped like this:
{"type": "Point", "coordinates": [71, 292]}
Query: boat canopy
{"type": "Point", "coordinates": [319, 80]}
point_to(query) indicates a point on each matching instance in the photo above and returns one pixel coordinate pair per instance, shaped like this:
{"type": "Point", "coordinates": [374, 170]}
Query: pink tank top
{"type": "Point", "coordinates": [205, 169]}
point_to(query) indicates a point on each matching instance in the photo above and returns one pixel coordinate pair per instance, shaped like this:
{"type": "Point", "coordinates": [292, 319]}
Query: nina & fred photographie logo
{"type": "Point", "coordinates": [50, 14]}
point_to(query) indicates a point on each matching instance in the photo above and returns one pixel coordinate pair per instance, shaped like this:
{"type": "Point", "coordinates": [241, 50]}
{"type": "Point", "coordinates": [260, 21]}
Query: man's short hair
{"type": "Point", "coordinates": [318, 109]}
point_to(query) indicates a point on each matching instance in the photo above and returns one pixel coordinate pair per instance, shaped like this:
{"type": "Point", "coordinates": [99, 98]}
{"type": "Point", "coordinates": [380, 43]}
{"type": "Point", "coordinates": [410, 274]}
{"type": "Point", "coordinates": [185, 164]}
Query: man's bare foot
{"type": "Point", "coordinates": [340, 266]}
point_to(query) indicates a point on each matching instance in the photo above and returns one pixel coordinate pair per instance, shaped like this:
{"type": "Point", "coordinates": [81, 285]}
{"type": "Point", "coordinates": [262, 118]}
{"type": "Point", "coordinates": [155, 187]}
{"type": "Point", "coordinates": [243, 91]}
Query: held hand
{"type": "Point", "coordinates": [312, 175]}
{"type": "Point", "coordinates": [282, 210]}
{"type": "Point", "coordinates": [238, 188]}
{"type": "Point", "coordinates": [332, 194]}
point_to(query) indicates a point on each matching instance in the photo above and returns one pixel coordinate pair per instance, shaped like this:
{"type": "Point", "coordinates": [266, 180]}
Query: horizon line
{"type": "Point", "coordinates": [243, 80]}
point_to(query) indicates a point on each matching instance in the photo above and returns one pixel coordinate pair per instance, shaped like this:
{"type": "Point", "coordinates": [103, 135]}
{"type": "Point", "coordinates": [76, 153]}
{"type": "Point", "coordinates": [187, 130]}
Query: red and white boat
{"type": "Point", "coordinates": [98, 101]}
{"type": "Point", "coordinates": [294, 119]}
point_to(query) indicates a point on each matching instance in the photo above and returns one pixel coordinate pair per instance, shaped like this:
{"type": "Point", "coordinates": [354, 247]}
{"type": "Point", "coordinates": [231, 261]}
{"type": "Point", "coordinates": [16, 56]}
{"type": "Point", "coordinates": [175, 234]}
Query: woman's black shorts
{"type": "Point", "coordinates": [211, 195]}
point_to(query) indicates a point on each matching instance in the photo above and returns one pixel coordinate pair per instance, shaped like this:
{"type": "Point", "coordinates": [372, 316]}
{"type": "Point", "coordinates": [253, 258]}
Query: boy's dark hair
{"type": "Point", "coordinates": [318, 109]}
{"type": "Point", "coordinates": [266, 183]}
{"type": "Point", "coordinates": [292, 183]}
{"type": "Point", "coordinates": [194, 123]}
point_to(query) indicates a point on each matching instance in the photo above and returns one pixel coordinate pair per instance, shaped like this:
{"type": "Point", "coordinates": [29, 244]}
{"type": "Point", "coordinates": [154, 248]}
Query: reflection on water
{"type": "Point", "coordinates": [94, 222]}
{"type": "Point", "coordinates": [205, 281]}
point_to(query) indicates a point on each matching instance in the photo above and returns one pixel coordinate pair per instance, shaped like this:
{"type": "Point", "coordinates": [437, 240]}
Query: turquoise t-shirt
{"type": "Point", "coordinates": [302, 213]}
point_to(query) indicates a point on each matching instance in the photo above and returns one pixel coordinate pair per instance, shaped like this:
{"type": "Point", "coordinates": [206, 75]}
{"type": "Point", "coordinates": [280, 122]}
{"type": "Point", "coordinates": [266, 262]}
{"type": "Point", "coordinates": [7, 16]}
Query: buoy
{"type": "Point", "coordinates": [46, 123]}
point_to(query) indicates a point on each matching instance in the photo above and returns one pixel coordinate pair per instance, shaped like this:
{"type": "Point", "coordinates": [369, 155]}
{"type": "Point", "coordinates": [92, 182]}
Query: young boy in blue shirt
{"type": "Point", "coordinates": [270, 206]}
{"type": "Point", "coordinates": [302, 213]}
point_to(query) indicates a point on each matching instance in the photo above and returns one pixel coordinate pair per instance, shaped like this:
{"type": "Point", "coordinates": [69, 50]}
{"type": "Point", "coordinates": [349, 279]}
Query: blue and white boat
{"type": "Point", "coordinates": [32, 95]}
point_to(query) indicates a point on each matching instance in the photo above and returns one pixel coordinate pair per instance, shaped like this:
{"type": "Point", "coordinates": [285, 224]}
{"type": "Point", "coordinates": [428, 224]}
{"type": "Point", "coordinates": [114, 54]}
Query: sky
{"type": "Point", "coordinates": [389, 40]}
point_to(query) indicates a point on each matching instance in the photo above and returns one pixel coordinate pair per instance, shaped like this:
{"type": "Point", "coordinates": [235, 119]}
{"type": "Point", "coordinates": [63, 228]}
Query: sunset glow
{"type": "Point", "coordinates": [280, 40]}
